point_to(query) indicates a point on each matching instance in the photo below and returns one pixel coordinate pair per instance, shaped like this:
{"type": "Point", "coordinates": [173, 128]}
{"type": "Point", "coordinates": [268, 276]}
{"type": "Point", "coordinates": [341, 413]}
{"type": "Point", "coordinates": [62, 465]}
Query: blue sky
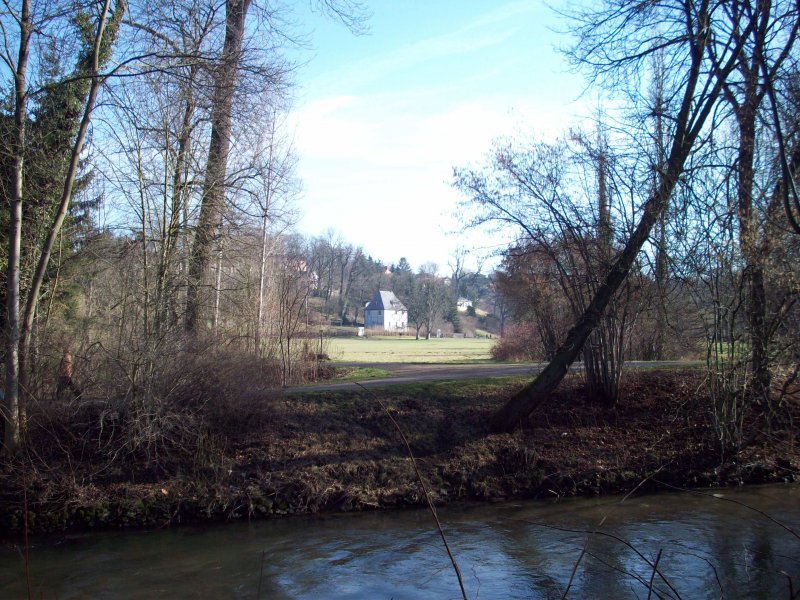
{"type": "Point", "coordinates": [381, 119]}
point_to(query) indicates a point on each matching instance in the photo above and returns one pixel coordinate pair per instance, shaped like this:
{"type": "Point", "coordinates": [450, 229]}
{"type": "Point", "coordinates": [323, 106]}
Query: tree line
{"type": "Point", "coordinates": [164, 122]}
{"type": "Point", "coordinates": [150, 187]}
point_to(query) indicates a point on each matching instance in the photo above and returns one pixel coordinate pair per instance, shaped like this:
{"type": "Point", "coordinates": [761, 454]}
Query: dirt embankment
{"type": "Point", "coordinates": [338, 451]}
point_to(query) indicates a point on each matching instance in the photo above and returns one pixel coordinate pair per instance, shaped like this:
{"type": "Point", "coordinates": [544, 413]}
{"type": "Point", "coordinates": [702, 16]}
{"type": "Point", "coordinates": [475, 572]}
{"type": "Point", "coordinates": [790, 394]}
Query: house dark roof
{"type": "Point", "coordinates": [384, 300]}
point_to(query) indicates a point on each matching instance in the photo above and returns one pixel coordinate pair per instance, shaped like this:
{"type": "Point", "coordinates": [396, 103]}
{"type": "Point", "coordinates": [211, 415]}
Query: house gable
{"type": "Point", "coordinates": [386, 311]}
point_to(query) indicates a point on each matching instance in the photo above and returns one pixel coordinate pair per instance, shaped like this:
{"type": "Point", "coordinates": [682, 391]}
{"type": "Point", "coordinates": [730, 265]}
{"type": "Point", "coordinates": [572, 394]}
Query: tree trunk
{"type": "Point", "coordinates": [531, 396]}
{"type": "Point", "coordinates": [37, 281]}
{"type": "Point", "coordinates": [659, 335]}
{"type": "Point", "coordinates": [661, 259]}
{"type": "Point", "coordinates": [748, 233]}
{"type": "Point", "coordinates": [172, 225]}
{"type": "Point", "coordinates": [262, 278]}
{"type": "Point", "coordinates": [11, 404]}
{"type": "Point", "coordinates": [213, 202]}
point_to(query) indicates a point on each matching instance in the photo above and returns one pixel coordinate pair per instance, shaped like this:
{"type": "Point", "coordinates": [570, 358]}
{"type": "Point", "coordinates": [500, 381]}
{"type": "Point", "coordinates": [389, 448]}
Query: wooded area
{"type": "Point", "coordinates": [691, 195]}
{"type": "Point", "coordinates": [151, 191]}
{"type": "Point", "coordinates": [125, 205]}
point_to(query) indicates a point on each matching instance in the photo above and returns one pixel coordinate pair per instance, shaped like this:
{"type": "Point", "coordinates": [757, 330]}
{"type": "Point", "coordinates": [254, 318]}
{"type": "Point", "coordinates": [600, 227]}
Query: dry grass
{"type": "Point", "coordinates": [410, 350]}
{"type": "Point", "coordinates": [338, 451]}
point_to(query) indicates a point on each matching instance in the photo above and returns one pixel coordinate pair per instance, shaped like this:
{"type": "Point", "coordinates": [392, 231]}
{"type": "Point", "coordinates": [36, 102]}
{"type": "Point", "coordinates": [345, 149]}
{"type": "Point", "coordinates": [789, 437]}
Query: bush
{"type": "Point", "coordinates": [519, 342]}
{"type": "Point", "coordinates": [166, 415]}
{"type": "Point", "coordinates": [228, 390]}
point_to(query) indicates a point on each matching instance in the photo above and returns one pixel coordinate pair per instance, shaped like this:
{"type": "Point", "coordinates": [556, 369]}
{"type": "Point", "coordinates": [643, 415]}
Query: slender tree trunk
{"type": "Point", "coordinates": [262, 277]}
{"type": "Point", "coordinates": [145, 257]}
{"type": "Point", "coordinates": [660, 271]}
{"type": "Point", "coordinates": [66, 195]}
{"type": "Point", "coordinates": [659, 335]}
{"type": "Point", "coordinates": [262, 274]}
{"type": "Point", "coordinates": [11, 405]}
{"type": "Point", "coordinates": [213, 203]}
{"type": "Point", "coordinates": [172, 226]}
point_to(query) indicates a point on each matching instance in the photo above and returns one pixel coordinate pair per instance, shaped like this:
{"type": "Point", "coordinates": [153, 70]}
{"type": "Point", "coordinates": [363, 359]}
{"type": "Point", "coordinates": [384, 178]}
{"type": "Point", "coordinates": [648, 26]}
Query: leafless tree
{"type": "Point", "coordinates": [22, 311]}
{"type": "Point", "coordinates": [566, 240]}
{"type": "Point", "coordinates": [704, 46]}
{"type": "Point", "coordinates": [233, 60]}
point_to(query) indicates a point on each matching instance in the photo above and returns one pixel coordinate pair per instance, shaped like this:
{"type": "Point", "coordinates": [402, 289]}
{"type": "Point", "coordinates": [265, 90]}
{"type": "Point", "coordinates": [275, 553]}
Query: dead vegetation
{"type": "Point", "coordinates": [263, 455]}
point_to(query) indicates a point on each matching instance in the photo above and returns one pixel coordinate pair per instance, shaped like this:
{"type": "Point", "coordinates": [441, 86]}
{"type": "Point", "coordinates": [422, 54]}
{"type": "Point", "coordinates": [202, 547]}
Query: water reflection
{"type": "Point", "coordinates": [708, 548]}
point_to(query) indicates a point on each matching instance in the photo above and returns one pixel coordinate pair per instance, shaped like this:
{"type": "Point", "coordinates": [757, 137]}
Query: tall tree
{"type": "Point", "coordinates": [78, 93]}
{"type": "Point", "coordinates": [765, 49]}
{"type": "Point", "coordinates": [227, 75]}
{"type": "Point", "coordinates": [11, 431]}
{"type": "Point", "coordinates": [613, 40]}
{"type": "Point", "coordinates": [213, 198]}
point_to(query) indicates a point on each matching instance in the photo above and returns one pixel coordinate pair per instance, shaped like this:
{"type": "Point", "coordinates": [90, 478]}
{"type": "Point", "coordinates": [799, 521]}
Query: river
{"type": "Point", "coordinates": [702, 546]}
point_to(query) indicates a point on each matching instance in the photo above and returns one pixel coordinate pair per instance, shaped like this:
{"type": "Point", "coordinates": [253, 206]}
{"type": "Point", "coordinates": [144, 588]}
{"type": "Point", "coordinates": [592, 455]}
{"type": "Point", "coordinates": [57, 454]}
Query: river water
{"type": "Point", "coordinates": [702, 546]}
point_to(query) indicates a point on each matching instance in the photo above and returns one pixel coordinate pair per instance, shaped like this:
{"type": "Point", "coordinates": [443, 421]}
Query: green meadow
{"type": "Point", "coordinates": [409, 350]}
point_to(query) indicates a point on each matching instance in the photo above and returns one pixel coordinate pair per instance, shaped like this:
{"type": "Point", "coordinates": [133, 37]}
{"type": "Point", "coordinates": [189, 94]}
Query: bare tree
{"type": "Point", "coordinates": [566, 243]}
{"type": "Point", "coordinates": [20, 322]}
{"type": "Point", "coordinates": [227, 74]}
{"type": "Point", "coordinates": [11, 436]}
{"type": "Point", "coordinates": [213, 198]}
{"type": "Point", "coordinates": [765, 48]}
{"type": "Point", "coordinates": [614, 40]}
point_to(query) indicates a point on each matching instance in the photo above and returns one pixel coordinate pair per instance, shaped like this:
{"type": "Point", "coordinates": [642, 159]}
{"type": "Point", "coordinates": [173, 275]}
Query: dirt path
{"type": "Point", "coordinates": [412, 373]}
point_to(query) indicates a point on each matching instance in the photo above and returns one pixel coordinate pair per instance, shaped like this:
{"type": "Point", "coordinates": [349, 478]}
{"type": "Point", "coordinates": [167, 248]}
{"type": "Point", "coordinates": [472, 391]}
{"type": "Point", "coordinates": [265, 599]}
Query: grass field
{"type": "Point", "coordinates": [409, 350]}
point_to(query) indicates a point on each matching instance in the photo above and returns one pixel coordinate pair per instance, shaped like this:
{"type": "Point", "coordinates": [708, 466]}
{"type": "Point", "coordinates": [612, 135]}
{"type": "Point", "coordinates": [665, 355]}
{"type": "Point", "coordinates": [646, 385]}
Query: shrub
{"type": "Point", "coordinates": [519, 342]}
{"type": "Point", "coordinates": [227, 390]}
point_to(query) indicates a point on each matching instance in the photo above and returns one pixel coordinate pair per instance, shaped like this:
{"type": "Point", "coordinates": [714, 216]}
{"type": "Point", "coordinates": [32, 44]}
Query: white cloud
{"type": "Point", "coordinates": [378, 137]}
{"type": "Point", "coordinates": [364, 159]}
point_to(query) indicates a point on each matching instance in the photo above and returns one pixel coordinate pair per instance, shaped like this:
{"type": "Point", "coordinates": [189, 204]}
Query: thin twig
{"type": "Point", "coordinates": [612, 536]}
{"type": "Point", "coordinates": [602, 521]}
{"type": "Point", "coordinates": [792, 594]}
{"type": "Point", "coordinates": [575, 568]}
{"type": "Point", "coordinates": [641, 483]}
{"type": "Point", "coordinates": [580, 558]}
{"type": "Point", "coordinates": [662, 594]}
{"type": "Point", "coordinates": [653, 575]}
{"type": "Point", "coordinates": [424, 488]}
{"type": "Point", "coordinates": [710, 565]}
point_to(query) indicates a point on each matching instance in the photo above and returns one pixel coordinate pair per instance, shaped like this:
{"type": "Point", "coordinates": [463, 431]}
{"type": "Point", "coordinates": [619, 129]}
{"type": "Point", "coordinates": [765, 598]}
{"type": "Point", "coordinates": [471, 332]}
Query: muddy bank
{"type": "Point", "coordinates": [338, 451]}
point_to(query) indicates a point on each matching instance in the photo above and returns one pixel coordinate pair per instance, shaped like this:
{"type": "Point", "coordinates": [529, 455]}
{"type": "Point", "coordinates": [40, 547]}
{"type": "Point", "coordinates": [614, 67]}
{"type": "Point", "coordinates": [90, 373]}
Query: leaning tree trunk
{"type": "Point", "coordinates": [530, 397]}
{"type": "Point", "coordinates": [213, 202]}
{"type": "Point", "coordinates": [688, 124]}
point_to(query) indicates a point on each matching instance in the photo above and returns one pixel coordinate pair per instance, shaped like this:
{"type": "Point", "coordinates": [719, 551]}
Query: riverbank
{"type": "Point", "coordinates": [338, 451]}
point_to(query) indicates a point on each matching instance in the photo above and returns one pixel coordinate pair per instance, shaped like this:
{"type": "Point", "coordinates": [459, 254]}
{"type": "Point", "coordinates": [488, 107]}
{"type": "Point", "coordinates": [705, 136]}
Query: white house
{"type": "Point", "coordinates": [463, 304]}
{"type": "Point", "coordinates": [385, 311]}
